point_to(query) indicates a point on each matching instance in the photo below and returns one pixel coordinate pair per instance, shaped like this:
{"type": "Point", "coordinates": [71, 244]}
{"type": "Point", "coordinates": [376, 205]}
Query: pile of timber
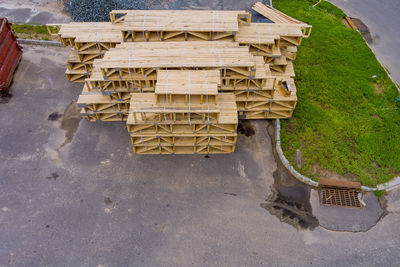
{"type": "Point", "coordinates": [185, 115]}
{"type": "Point", "coordinates": [88, 41]}
{"type": "Point", "coordinates": [181, 84]}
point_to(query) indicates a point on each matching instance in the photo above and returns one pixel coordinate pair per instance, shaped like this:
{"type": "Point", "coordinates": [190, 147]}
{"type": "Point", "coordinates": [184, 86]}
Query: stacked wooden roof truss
{"type": "Point", "coordinates": [181, 85]}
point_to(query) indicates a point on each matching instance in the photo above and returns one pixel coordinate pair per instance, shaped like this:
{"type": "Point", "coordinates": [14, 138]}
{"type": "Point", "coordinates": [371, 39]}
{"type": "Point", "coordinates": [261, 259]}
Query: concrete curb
{"type": "Point", "coordinates": [395, 183]}
{"type": "Point", "coordinates": [285, 162]}
{"type": "Point", "coordinates": [39, 42]}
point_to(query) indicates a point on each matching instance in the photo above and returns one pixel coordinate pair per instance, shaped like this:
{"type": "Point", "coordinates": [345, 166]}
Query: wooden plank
{"type": "Point", "coordinates": [188, 82]}
{"type": "Point", "coordinates": [240, 15]}
{"type": "Point", "coordinates": [279, 17]}
{"type": "Point", "coordinates": [180, 54]}
{"type": "Point", "coordinates": [166, 20]}
{"type": "Point", "coordinates": [273, 14]}
{"type": "Point", "coordinates": [339, 183]}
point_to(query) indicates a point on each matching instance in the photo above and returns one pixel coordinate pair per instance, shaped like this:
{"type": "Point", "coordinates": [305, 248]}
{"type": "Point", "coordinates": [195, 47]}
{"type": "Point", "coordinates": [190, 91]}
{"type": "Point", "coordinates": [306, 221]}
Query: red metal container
{"type": "Point", "coordinates": [10, 55]}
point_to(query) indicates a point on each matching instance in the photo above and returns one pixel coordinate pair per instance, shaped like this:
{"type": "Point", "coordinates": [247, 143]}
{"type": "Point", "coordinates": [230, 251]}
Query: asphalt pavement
{"type": "Point", "coordinates": [383, 21]}
{"type": "Point", "coordinates": [72, 193]}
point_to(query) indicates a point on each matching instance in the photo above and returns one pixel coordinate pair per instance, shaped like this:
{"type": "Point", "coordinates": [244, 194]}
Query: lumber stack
{"type": "Point", "coordinates": [185, 115]}
{"type": "Point", "coordinates": [182, 78]}
{"type": "Point", "coordinates": [88, 41]}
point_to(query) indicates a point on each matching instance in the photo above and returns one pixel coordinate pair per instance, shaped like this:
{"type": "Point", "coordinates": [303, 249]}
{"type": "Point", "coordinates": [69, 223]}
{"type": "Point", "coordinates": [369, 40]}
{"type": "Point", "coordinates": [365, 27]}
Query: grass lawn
{"type": "Point", "coordinates": [347, 120]}
{"type": "Point", "coordinates": [30, 31]}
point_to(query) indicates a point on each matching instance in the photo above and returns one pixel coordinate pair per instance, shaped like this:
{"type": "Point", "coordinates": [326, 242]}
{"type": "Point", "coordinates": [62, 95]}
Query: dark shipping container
{"type": "Point", "coordinates": [10, 55]}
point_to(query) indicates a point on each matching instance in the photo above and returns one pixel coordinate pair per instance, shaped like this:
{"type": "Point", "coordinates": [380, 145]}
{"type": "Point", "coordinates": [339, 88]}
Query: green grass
{"type": "Point", "coordinates": [29, 28]}
{"type": "Point", "coordinates": [32, 31]}
{"type": "Point", "coordinates": [379, 193]}
{"type": "Point", "coordinates": [346, 121]}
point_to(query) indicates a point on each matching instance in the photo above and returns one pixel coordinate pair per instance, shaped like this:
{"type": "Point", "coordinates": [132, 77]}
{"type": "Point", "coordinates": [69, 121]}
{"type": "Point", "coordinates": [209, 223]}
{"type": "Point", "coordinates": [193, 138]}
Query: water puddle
{"type": "Point", "coordinates": [290, 199]}
{"type": "Point", "coordinates": [70, 122]}
{"type": "Point", "coordinates": [358, 24]}
{"type": "Point", "coordinates": [4, 99]}
{"type": "Point", "coordinates": [363, 29]}
{"type": "Point", "coordinates": [290, 202]}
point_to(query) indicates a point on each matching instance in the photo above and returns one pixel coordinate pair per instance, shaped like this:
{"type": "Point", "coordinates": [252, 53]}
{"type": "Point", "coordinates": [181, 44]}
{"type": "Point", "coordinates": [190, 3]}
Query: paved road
{"type": "Point", "coordinates": [383, 20]}
{"type": "Point", "coordinates": [72, 194]}
{"type": "Point", "coordinates": [34, 11]}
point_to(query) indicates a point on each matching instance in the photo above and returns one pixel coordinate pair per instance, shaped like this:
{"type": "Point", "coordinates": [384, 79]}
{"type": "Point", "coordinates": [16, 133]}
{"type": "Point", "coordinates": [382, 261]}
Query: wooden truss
{"type": "Point", "coordinates": [184, 115]}
{"type": "Point", "coordinates": [168, 25]}
{"type": "Point", "coordinates": [183, 140]}
{"type": "Point", "coordinates": [130, 59]}
{"type": "Point", "coordinates": [183, 144]}
{"type": "Point", "coordinates": [210, 149]}
{"type": "Point", "coordinates": [180, 84]}
{"type": "Point", "coordinates": [277, 16]}
{"type": "Point", "coordinates": [145, 108]}
{"type": "Point", "coordinates": [181, 129]}
{"type": "Point", "coordinates": [77, 71]}
{"type": "Point", "coordinates": [280, 106]}
{"type": "Point", "coordinates": [154, 17]}
{"type": "Point", "coordinates": [87, 34]}
{"type": "Point", "coordinates": [138, 83]}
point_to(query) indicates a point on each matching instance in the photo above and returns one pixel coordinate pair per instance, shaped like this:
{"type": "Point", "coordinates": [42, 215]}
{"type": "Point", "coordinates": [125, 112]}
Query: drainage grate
{"type": "Point", "coordinates": [340, 197]}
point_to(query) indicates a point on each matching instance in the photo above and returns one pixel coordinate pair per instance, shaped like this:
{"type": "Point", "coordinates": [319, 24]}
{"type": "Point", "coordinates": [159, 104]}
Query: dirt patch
{"type": "Point", "coordinates": [319, 172]}
{"type": "Point", "coordinates": [36, 36]}
{"type": "Point", "coordinates": [344, 21]}
{"type": "Point", "coordinates": [379, 88]}
{"type": "Point", "coordinates": [246, 128]}
{"type": "Point", "coordinates": [70, 122]}
{"type": "Point", "coordinates": [376, 116]}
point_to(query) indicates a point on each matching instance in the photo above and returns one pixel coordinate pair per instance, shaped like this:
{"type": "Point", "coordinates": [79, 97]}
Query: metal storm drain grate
{"type": "Point", "coordinates": [340, 193]}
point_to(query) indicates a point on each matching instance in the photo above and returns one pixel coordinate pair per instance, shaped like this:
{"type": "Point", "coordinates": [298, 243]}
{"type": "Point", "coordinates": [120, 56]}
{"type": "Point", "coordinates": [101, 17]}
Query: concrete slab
{"type": "Point", "coordinates": [347, 219]}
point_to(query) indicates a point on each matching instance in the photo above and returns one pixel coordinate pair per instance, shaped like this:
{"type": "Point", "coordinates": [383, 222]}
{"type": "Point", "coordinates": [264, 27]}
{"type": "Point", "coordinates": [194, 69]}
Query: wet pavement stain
{"type": "Point", "coordinates": [290, 203]}
{"type": "Point", "coordinates": [54, 116]}
{"type": "Point", "coordinates": [290, 199]}
{"type": "Point", "coordinates": [4, 99]}
{"type": "Point", "coordinates": [246, 128]}
{"type": "Point", "coordinates": [70, 122]}
{"type": "Point", "coordinates": [107, 201]}
{"type": "Point", "coordinates": [53, 176]}
{"type": "Point", "coordinates": [363, 29]}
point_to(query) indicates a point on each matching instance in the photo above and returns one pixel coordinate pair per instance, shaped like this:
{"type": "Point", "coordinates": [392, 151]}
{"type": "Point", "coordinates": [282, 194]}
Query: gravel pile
{"type": "Point", "coordinates": [98, 10]}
